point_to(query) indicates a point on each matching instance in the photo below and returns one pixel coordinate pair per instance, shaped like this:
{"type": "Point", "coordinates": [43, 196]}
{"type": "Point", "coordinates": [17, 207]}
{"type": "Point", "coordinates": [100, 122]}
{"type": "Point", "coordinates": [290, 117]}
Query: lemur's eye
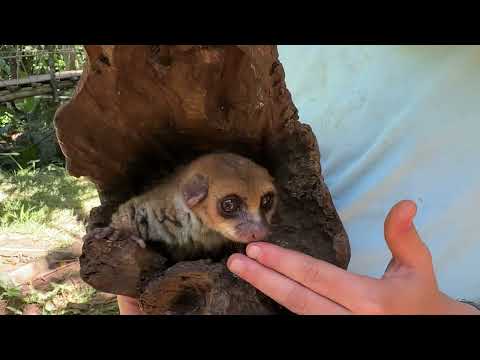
{"type": "Point", "coordinates": [266, 202]}
{"type": "Point", "coordinates": [230, 205]}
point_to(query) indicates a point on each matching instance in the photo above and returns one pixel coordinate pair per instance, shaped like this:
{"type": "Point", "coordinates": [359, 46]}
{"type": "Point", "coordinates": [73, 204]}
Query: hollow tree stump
{"type": "Point", "coordinates": [140, 111]}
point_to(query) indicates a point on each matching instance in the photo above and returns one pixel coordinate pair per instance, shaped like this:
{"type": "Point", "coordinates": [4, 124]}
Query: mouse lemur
{"type": "Point", "coordinates": [213, 203]}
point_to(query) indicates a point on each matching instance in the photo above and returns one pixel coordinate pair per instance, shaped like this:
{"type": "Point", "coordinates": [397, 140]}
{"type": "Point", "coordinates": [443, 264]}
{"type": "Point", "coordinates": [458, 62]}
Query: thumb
{"type": "Point", "coordinates": [402, 238]}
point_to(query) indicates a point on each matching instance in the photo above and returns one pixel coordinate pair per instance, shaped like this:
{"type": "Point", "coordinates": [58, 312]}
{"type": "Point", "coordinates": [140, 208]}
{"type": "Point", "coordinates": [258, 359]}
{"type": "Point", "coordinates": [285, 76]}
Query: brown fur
{"type": "Point", "coordinates": [229, 174]}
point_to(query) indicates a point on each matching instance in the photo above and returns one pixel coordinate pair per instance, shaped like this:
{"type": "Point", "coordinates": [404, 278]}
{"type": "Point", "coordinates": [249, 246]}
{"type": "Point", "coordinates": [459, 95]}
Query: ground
{"type": "Point", "coordinates": [42, 217]}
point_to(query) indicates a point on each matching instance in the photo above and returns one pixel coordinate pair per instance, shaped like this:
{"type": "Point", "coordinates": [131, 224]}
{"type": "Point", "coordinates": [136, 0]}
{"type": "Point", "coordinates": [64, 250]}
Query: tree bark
{"type": "Point", "coordinates": [140, 111]}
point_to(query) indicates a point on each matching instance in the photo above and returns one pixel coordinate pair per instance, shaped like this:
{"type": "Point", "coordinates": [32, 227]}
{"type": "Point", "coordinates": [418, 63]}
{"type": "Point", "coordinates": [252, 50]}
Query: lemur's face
{"type": "Point", "coordinates": [231, 195]}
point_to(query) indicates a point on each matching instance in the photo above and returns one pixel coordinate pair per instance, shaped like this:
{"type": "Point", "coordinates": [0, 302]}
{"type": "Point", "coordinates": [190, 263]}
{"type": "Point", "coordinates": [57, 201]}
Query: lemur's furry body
{"type": "Point", "coordinates": [184, 215]}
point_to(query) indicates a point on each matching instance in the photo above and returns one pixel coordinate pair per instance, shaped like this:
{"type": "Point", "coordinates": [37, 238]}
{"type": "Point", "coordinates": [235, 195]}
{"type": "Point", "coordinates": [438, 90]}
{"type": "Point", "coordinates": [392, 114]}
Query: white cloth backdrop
{"type": "Point", "coordinates": [393, 123]}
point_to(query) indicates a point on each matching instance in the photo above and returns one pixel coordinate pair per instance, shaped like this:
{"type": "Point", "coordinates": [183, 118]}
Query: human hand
{"type": "Point", "coordinates": [306, 285]}
{"type": "Point", "coordinates": [128, 306]}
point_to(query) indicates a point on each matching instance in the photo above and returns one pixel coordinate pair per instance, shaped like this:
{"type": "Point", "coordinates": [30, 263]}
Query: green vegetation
{"type": "Point", "coordinates": [37, 196]}
{"type": "Point", "coordinates": [17, 61]}
{"type": "Point", "coordinates": [40, 204]}
{"type": "Point", "coordinates": [49, 207]}
{"type": "Point", "coordinates": [69, 298]}
{"type": "Point", "coordinates": [45, 203]}
{"type": "Point", "coordinates": [27, 133]}
{"type": "Point", "coordinates": [11, 299]}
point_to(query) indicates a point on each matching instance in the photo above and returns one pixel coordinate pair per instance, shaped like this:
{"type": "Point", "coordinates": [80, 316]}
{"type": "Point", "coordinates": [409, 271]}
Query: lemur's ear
{"type": "Point", "coordinates": [195, 189]}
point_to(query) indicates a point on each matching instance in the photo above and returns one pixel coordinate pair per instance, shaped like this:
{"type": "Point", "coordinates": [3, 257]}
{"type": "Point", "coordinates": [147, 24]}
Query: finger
{"type": "Point", "coordinates": [284, 291]}
{"type": "Point", "coordinates": [328, 280]}
{"type": "Point", "coordinates": [402, 237]}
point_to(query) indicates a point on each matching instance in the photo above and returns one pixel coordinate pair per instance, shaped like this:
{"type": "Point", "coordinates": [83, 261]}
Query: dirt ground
{"type": "Point", "coordinates": [47, 281]}
{"type": "Point", "coordinates": [42, 222]}
{"type": "Point", "coordinates": [19, 249]}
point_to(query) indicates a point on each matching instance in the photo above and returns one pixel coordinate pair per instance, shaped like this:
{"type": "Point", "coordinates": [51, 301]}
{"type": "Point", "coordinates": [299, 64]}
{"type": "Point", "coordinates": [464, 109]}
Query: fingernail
{"type": "Point", "coordinates": [235, 265]}
{"type": "Point", "coordinates": [407, 214]}
{"type": "Point", "coordinates": [253, 251]}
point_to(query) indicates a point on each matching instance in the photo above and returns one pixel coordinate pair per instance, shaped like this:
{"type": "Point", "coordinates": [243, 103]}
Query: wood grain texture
{"type": "Point", "coordinates": [140, 110]}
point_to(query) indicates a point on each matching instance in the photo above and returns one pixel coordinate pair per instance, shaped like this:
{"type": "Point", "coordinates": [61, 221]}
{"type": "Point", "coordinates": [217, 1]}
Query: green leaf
{"type": "Point", "coordinates": [28, 104]}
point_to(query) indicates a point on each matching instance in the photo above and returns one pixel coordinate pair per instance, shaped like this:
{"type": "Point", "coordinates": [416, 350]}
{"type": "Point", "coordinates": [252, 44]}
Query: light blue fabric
{"type": "Point", "coordinates": [393, 123]}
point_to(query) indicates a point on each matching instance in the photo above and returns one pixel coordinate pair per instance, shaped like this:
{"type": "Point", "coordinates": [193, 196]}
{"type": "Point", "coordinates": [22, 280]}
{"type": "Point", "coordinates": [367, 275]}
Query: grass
{"type": "Point", "coordinates": [11, 298]}
{"type": "Point", "coordinates": [68, 298]}
{"type": "Point", "coordinates": [45, 203]}
{"type": "Point", "coordinates": [48, 208]}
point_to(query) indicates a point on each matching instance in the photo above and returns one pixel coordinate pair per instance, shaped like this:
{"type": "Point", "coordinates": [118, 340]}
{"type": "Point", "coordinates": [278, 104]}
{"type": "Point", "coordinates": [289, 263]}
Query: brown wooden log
{"type": "Point", "coordinates": [121, 258]}
{"type": "Point", "coordinates": [202, 288]}
{"type": "Point", "coordinates": [140, 111]}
